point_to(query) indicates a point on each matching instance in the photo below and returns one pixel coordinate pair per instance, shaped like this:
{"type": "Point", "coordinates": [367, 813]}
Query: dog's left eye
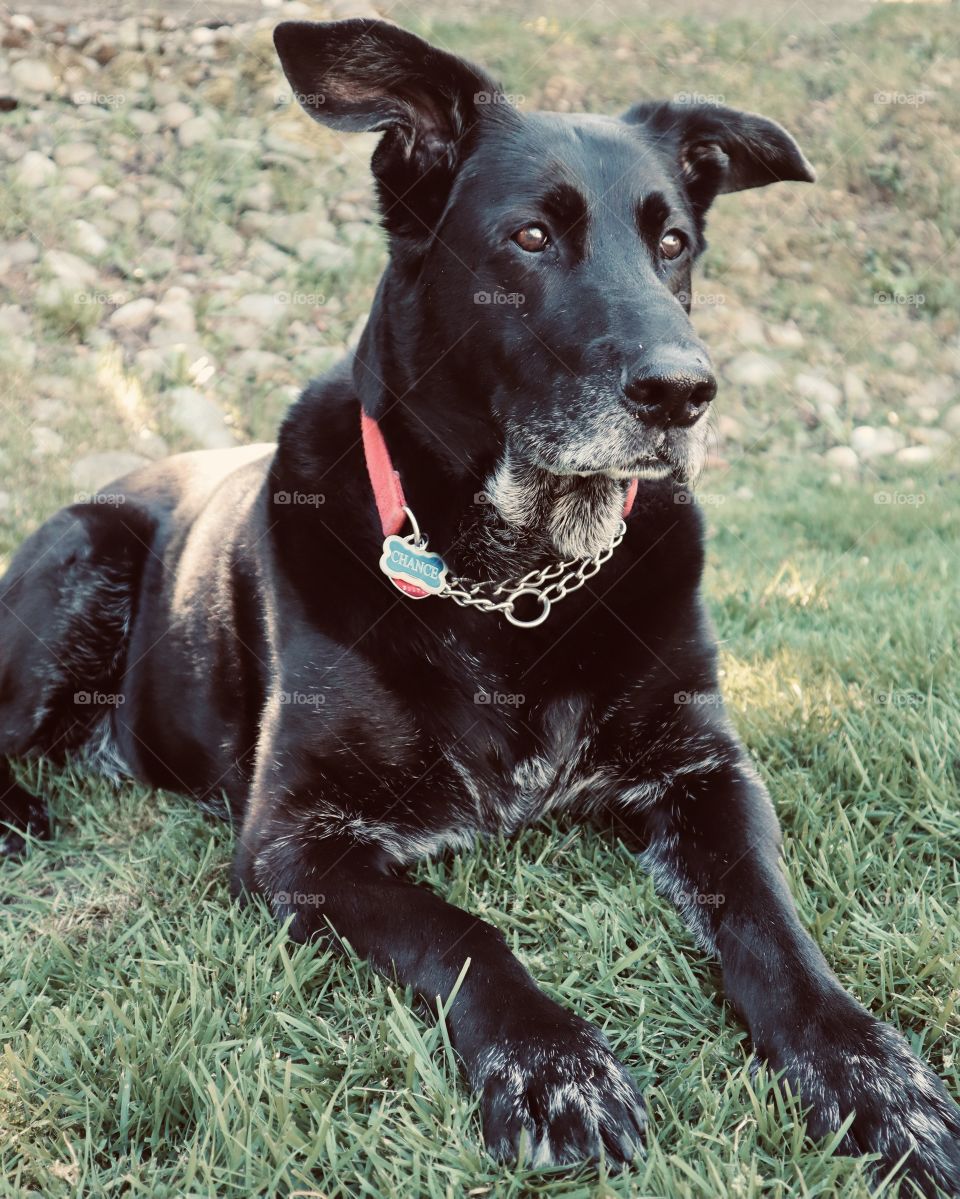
{"type": "Point", "coordinates": [532, 238]}
{"type": "Point", "coordinates": [672, 244]}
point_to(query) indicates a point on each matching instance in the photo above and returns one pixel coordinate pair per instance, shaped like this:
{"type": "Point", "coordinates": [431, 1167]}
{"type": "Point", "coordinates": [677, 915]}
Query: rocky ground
{"type": "Point", "coordinates": [180, 248]}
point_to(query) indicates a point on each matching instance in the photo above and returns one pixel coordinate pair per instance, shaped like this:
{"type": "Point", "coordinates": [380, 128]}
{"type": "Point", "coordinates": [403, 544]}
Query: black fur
{"type": "Point", "coordinates": [259, 653]}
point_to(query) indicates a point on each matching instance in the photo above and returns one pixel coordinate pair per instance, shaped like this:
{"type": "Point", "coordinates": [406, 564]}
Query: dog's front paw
{"type": "Point", "coordinates": [561, 1089]}
{"type": "Point", "coordinates": [902, 1110]}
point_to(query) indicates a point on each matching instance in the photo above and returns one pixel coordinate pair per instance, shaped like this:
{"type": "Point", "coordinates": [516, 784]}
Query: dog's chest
{"type": "Point", "coordinates": [548, 765]}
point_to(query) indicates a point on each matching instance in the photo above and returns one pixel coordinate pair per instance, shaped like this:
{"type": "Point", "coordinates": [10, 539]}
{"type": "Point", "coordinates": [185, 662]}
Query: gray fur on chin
{"type": "Point", "coordinates": [577, 514]}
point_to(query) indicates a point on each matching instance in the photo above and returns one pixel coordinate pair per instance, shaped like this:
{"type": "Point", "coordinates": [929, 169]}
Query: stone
{"type": "Point", "coordinates": [84, 179]}
{"type": "Point", "coordinates": [134, 314]}
{"type": "Point", "coordinates": [73, 154]}
{"type": "Point", "coordinates": [753, 370]}
{"type": "Point", "coordinates": [938, 438]}
{"type": "Point", "coordinates": [875, 442]}
{"type": "Point", "coordinates": [175, 311]}
{"type": "Point", "coordinates": [905, 355]}
{"type": "Point", "coordinates": [165, 92]}
{"type": "Point", "coordinates": [70, 269]}
{"type": "Point", "coordinates": [854, 388]}
{"type": "Point", "coordinates": [145, 123]}
{"type": "Point", "coordinates": [323, 254]}
{"type": "Point", "coordinates": [745, 261]}
{"type": "Point", "coordinates": [843, 459]}
{"type": "Point", "coordinates": [162, 224]}
{"type": "Point", "coordinates": [951, 420]}
{"type": "Point", "coordinates": [196, 131]}
{"type": "Point", "coordinates": [35, 169]}
{"type": "Point", "coordinates": [259, 196]}
{"type": "Point", "coordinates": [172, 116]}
{"type": "Point", "coordinates": [21, 251]}
{"type": "Point", "coordinates": [126, 210]}
{"type": "Point", "coordinates": [745, 328]}
{"type": "Point", "coordinates": [32, 75]}
{"type": "Point", "coordinates": [261, 307]}
{"type": "Point", "coordinates": [915, 455]}
{"type": "Point", "coordinates": [88, 239]}
{"type": "Point", "coordinates": [256, 363]}
{"type": "Point", "coordinates": [821, 391]}
{"type": "Point", "coordinates": [197, 415]}
{"type": "Point", "coordinates": [787, 336]}
{"type": "Point", "coordinates": [46, 441]}
{"type": "Point", "coordinates": [94, 471]}
{"type": "Point", "coordinates": [224, 242]}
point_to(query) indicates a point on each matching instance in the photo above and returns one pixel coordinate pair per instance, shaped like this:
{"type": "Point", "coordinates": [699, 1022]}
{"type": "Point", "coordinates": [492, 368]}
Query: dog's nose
{"type": "Point", "coordinates": [670, 387]}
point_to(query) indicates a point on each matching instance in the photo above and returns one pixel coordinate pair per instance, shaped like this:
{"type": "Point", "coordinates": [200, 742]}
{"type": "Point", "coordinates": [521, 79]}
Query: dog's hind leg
{"type": "Point", "coordinates": [65, 609]}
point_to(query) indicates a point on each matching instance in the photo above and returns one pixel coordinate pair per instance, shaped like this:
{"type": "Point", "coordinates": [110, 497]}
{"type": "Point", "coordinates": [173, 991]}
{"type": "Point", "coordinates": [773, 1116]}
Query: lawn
{"type": "Point", "coordinates": [156, 1040]}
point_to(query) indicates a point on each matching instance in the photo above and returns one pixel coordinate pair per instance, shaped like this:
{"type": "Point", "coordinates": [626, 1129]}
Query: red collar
{"type": "Point", "coordinates": [385, 481]}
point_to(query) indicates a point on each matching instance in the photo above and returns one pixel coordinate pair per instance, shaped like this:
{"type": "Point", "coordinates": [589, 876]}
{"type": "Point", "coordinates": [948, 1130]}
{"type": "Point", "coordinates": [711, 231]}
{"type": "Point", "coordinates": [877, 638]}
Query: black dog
{"type": "Point", "coordinates": [530, 373]}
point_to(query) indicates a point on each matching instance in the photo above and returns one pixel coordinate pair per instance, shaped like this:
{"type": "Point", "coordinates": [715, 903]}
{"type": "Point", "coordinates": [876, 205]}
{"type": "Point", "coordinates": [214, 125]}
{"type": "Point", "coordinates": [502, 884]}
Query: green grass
{"type": "Point", "coordinates": [158, 1041]}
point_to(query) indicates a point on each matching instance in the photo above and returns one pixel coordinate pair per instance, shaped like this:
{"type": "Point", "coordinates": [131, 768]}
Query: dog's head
{"type": "Point", "coordinates": [545, 258]}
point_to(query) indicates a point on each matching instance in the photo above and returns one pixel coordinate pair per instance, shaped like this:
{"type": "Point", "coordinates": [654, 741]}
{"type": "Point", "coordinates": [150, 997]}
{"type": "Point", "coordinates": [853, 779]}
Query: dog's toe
{"type": "Point", "coordinates": [558, 1098]}
{"type": "Point", "coordinates": [902, 1114]}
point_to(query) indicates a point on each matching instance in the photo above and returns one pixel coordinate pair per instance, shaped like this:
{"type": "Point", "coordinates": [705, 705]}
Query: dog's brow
{"type": "Point", "coordinates": [652, 211]}
{"type": "Point", "coordinates": [565, 206]}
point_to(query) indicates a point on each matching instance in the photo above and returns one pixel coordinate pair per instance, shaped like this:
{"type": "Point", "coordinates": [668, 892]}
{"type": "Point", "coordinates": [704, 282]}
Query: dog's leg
{"type": "Point", "coordinates": [712, 844]}
{"type": "Point", "coordinates": [65, 606]}
{"type": "Point", "coordinates": [538, 1068]}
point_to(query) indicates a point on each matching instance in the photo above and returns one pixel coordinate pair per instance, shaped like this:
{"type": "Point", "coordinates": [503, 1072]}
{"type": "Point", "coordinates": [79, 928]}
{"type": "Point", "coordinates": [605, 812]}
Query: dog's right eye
{"type": "Point", "coordinates": [532, 238]}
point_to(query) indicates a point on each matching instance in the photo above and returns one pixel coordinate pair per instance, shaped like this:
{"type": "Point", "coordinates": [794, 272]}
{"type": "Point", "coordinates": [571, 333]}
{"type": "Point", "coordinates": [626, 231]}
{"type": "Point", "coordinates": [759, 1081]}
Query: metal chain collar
{"type": "Point", "coordinates": [549, 585]}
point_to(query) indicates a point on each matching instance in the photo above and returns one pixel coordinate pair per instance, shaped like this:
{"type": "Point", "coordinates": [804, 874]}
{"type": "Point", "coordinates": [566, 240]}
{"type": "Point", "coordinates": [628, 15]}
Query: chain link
{"type": "Point", "coordinates": [549, 585]}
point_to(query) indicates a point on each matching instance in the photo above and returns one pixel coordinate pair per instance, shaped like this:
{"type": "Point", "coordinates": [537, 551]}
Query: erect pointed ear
{"type": "Point", "coordinates": [368, 75]}
{"type": "Point", "coordinates": [720, 149]}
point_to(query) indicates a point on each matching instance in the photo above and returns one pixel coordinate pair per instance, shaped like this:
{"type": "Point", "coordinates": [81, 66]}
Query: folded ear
{"type": "Point", "coordinates": [720, 149]}
{"type": "Point", "coordinates": [368, 75]}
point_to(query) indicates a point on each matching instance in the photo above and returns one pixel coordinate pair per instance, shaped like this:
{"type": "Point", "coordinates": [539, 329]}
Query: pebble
{"type": "Point", "coordinates": [905, 355]}
{"type": "Point", "coordinates": [134, 314]}
{"type": "Point", "coordinates": [744, 327]}
{"type": "Point", "coordinates": [162, 224]}
{"type": "Point", "coordinates": [753, 370]}
{"type": "Point", "coordinates": [854, 388]}
{"type": "Point", "coordinates": [46, 441]}
{"type": "Point", "coordinates": [143, 121]}
{"type": "Point", "coordinates": [88, 239]}
{"type": "Point", "coordinates": [935, 437]}
{"type": "Point", "coordinates": [69, 269]}
{"type": "Point", "coordinates": [21, 251]}
{"type": "Point", "coordinates": [72, 154]}
{"type": "Point", "coordinates": [224, 241]}
{"type": "Point", "coordinates": [871, 441]}
{"type": "Point", "coordinates": [36, 169]}
{"type": "Point", "coordinates": [84, 179]}
{"type": "Point", "coordinates": [175, 311]}
{"type": "Point", "coordinates": [915, 455]}
{"type": "Point", "coordinates": [172, 116]}
{"type": "Point", "coordinates": [843, 459]}
{"type": "Point", "coordinates": [745, 262]}
{"type": "Point", "coordinates": [261, 307]}
{"type": "Point", "coordinates": [256, 363]}
{"type": "Point", "coordinates": [93, 471]}
{"type": "Point", "coordinates": [951, 420]}
{"type": "Point", "coordinates": [323, 254]}
{"type": "Point", "coordinates": [786, 336]}
{"type": "Point", "coordinates": [821, 391]}
{"type": "Point", "coordinates": [32, 75]}
{"type": "Point", "coordinates": [126, 210]}
{"type": "Point", "coordinates": [196, 131]}
{"type": "Point", "coordinates": [197, 415]}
